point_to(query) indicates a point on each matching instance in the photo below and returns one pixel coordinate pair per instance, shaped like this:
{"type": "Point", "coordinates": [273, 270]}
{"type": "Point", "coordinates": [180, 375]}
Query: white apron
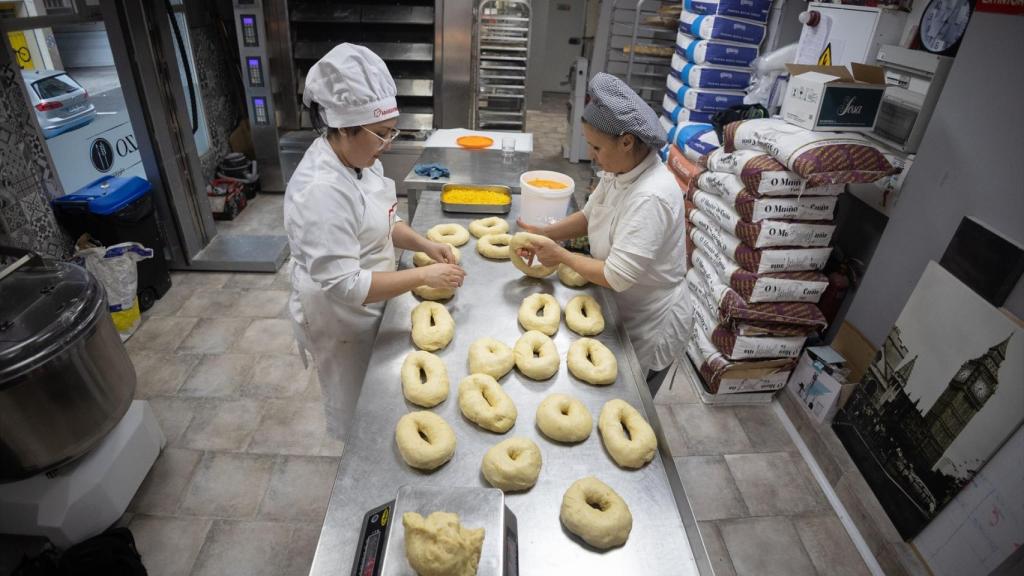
{"type": "Point", "coordinates": [340, 336]}
{"type": "Point", "coordinates": [657, 318]}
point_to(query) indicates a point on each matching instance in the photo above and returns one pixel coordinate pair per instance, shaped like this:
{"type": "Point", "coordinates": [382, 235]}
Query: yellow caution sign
{"type": "Point", "coordinates": [21, 51]}
{"type": "Point", "coordinates": [826, 56]}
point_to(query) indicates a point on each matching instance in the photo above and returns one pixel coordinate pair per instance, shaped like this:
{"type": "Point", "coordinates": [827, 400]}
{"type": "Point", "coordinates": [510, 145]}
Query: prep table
{"type": "Point", "coordinates": [664, 539]}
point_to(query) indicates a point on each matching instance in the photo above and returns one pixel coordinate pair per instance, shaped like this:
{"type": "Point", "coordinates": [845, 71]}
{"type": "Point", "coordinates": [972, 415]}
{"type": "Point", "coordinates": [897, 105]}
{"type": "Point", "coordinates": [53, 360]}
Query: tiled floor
{"type": "Point", "coordinates": [244, 482]}
{"type": "Point", "coordinates": [759, 509]}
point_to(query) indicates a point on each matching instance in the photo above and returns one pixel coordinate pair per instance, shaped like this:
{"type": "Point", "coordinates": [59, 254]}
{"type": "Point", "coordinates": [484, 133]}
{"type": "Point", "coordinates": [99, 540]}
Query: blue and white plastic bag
{"type": "Point", "coordinates": [697, 76]}
{"type": "Point", "coordinates": [702, 99]}
{"type": "Point", "coordinates": [721, 28]}
{"type": "Point", "coordinates": [695, 139]}
{"type": "Point", "coordinates": [756, 10]}
{"type": "Point", "coordinates": [677, 114]}
{"type": "Point", "coordinates": [714, 52]}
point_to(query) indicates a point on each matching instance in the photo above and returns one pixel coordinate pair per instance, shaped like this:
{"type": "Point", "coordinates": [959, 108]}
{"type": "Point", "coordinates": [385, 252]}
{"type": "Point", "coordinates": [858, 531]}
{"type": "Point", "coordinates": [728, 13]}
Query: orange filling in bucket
{"type": "Point", "coordinates": [549, 184]}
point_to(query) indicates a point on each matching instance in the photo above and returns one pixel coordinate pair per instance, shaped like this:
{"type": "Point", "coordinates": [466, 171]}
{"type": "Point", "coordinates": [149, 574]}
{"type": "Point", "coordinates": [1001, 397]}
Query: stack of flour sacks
{"type": "Point", "coordinates": [717, 42]}
{"type": "Point", "coordinates": [760, 211]}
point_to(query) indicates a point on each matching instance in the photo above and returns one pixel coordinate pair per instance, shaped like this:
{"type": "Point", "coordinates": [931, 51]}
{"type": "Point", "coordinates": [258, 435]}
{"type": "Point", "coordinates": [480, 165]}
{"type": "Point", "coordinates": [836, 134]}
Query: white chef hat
{"type": "Point", "coordinates": [353, 87]}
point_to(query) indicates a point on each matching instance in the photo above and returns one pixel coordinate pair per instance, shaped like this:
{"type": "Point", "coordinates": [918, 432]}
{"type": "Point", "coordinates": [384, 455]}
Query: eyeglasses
{"type": "Point", "coordinates": [393, 134]}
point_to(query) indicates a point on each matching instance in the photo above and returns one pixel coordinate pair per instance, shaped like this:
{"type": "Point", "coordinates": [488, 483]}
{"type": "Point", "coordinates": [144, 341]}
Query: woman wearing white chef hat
{"type": "Point", "coordinates": [342, 225]}
{"type": "Point", "coordinates": [636, 224]}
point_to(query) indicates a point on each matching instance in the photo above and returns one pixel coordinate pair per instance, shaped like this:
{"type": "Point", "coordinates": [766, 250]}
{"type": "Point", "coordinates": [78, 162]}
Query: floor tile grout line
{"type": "Point", "coordinates": [830, 494]}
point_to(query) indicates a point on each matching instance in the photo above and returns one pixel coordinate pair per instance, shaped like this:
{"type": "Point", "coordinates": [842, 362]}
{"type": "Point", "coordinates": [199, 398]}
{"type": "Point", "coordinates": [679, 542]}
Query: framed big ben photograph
{"type": "Point", "coordinates": [944, 392]}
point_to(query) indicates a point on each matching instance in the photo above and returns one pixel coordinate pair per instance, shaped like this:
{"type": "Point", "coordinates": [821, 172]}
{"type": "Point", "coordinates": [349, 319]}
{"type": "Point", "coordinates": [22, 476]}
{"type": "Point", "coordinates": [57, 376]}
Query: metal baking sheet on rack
{"type": "Point", "coordinates": [477, 508]}
{"type": "Point", "coordinates": [487, 306]}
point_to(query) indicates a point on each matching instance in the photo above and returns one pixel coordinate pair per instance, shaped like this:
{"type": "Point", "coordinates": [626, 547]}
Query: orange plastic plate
{"type": "Point", "coordinates": [474, 142]}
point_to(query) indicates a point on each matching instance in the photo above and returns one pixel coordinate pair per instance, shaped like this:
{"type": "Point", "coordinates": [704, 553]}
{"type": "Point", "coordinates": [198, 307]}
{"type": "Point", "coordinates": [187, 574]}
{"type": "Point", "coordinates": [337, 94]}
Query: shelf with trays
{"type": "Point", "coordinates": [501, 47]}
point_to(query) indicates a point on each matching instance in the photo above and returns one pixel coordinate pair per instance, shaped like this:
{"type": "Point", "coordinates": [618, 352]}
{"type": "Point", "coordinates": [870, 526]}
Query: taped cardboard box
{"type": "Point", "coordinates": [833, 98]}
{"type": "Point", "coordinates": [819, 382]}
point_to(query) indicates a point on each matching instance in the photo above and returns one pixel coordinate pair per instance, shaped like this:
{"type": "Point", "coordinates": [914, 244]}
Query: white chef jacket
{"type": "Point", "coordinates": [636, 223]}
{"type": "Point", "coordinates": [339, 229]}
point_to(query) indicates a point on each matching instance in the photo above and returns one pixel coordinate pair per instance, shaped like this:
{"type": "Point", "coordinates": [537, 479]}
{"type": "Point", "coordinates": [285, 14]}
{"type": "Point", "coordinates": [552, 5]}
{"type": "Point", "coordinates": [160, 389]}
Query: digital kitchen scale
{"type": "Point", "coordinates": [381, 545]}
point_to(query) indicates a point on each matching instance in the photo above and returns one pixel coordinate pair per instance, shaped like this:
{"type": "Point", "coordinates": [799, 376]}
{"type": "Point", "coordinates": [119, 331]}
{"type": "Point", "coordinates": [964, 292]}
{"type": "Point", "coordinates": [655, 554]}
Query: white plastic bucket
{"type": "Point", "coordinates": [543, 206]}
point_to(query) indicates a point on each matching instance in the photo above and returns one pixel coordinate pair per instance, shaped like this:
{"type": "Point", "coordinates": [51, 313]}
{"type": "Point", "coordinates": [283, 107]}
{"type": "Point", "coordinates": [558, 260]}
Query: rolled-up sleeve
{"type": "Point", "coordinates": [326, 231]}
{"type": "Point", "coordinates": [636, 241]}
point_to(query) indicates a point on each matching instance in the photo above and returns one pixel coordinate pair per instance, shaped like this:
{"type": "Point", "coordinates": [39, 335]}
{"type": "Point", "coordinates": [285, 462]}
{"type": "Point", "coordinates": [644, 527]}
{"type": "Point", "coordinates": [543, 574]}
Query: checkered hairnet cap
{"type": "Point", "coordinates": [615, 109]}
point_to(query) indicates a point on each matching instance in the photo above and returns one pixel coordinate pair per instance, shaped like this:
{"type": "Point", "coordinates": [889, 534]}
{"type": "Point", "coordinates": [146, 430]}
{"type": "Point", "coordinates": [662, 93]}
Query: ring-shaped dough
{"type": "Point", "coordinates": [421, 259]}
{"type": "Point", "coordinates": [570, 277]}
{"type": "Point", "coordinates": [424, 379]}
{"type": "Point", "coordinates": [540, 312]}
{"type": "Point", "coordinates": [483, 401]}
{"type": "Point", "coordinates": [494, 246]}
{"type": "Point", "coordinates": [453, 234]}
{"type": "Point", "coordinates": [521, 240]}
{"type": "Point", "coordinates": [564, 419]}
{"type": "Point", "coordinates": [427, 293]}
{"type": "Point", "coordinates": [629, 450]}
{"type": "Point", "coordinates": [440, 546]}
{"type": "Point", "coordinates": [583, 316]}
{"type": "Point", "coordinates": [536, 355]}
{"type": "Point", "coordinates": [591, 361]}
{"type": "Point", "coordinates": [491, 357]}
{"type": "Point", "coordinates": [486, 226]}
{"type": "Point", "coordinates": [432, 326]}
{"type": "Point", "coordinates": [596, 513]}
{"type": "Point", "coordinates": [512, 464]}
{"type": "Point", "coordinates": [424, 439]}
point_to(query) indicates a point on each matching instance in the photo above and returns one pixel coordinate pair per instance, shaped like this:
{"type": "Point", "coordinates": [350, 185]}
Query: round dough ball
{"type": "Point", "coordinates": [440, 546]}
{"type": "Point", "coordinates": [596, 513]}
{"type": "Point", "coordinates": [564, 419]}
{"type": "Point", "coordinates": [494, 246]}
{"type": "Point", "coordinates": [432, 326]}
{"type": "Point", "coordinates": [453, 234]}
{"type": "Point", "coordinates": [427, 293]}
{"type": "Point", "coordinates": [536, 355]}
{"type": "Point", "coordinates": [570, 277]}
{"type": "Point", "coordinates": [424, 439]}
{"type": "Point", "coordinates": [629, 451]}
{"type": "Point", "coordinates": [540, 312]}
{"type": "Point", "coordinates": [512, 465]}
{"type": "Point", "coordinates": [486, 226]}
{"type": "Point", "coordinates": [424, 379]}
{"type": "Point", "coordinates": [583, 316]}
{"type": "Point", "coordinates": [521, 240]}
{"type": "Point", "coordinates": [483, 401]}
{"type": "Point", "coordinates": [592, 362]}
{"type": "Point", "coordinates": [491, 357]}
{"type": "Point", "coordinates": [421, 258]}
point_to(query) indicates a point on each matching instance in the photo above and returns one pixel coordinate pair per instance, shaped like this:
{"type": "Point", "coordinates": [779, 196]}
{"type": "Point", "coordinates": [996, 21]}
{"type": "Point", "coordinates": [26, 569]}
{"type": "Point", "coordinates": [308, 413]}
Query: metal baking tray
{"type": "Point", "coordinates": [477, 508]}
{"type": "Point", "coordinates": [477, 208]}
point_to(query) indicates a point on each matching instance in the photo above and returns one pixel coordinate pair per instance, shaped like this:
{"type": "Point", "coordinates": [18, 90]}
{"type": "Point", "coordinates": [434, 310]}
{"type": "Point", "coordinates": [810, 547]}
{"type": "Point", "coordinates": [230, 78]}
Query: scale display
{"type": "Point", "coordinates": [259, 110]}
{"type": "Point", "coordinates": [250, 38]}
{"type": "Point", "coordinates": [254, 68]}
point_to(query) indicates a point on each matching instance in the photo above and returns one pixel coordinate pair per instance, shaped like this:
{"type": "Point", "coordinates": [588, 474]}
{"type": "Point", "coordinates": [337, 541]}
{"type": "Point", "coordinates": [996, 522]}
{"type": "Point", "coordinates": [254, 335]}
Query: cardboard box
{"type": "Point", "coordinates": [832, 99]}
{"type": "Point", "coordinates": [819, 382]}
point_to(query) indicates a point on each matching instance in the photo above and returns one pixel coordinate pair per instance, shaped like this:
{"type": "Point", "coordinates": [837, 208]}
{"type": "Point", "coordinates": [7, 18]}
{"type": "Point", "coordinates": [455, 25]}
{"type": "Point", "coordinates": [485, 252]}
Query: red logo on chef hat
{"type": "Point", "coordinates": [378, 112]}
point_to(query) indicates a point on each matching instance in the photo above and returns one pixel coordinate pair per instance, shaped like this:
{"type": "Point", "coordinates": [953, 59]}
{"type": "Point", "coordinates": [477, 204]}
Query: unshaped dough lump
{"type": "Point", "coordinates": [439, 546]}
{"type": "Point", "coordinates": [512, 464]}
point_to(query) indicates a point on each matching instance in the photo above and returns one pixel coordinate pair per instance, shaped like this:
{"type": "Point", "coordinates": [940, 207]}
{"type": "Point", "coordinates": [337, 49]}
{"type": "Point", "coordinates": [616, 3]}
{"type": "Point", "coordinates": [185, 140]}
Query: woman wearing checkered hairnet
{"type": "Point", "coordinates": [636, 224]}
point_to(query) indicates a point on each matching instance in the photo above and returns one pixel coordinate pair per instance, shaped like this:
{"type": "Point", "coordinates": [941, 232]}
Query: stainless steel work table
{"type": "Point", "coordinates": [485, 167]}
{"type": "Point", "coordinates": [664, 539]}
